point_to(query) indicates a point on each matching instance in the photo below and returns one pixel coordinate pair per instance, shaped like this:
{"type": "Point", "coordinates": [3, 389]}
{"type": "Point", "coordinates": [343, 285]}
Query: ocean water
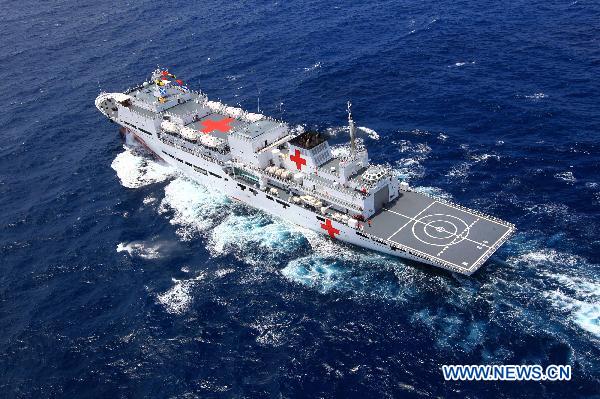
{"type": "Point", "coordinates": [121, 278]}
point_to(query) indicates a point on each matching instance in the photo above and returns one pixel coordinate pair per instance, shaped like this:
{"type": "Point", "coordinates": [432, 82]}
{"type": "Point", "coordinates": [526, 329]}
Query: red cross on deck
{"type": "Point", "coordinates": [222, 125]}
{"type": "Point", "coordinates": [298, 160]}
{"type": "Point", "coordinates": [330, 229]}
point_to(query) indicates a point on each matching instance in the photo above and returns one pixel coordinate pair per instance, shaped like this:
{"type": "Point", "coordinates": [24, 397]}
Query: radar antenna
{"type": "Point", "coordinates": [352, 130]}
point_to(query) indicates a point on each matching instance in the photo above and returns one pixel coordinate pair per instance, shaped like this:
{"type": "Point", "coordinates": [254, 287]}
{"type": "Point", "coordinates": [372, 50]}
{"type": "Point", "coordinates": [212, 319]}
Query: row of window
{"type": "Point", "coordinates": [253, 191]}
{"type": "Point", "coordinates": [196, 168]}
{"type": "Point", "coordinates": [138, 128]}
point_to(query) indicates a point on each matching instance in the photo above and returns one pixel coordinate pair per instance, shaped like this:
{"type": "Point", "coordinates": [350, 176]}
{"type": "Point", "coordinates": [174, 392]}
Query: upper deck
{"type": "Point", "coordinates": [345, 187]}
{"type": "Point", "coordinates": [448, 235]}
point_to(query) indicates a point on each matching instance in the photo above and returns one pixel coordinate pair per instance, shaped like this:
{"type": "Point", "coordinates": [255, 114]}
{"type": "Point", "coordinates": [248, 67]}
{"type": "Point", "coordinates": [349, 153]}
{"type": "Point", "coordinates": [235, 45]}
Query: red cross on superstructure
{"type": "Point", "coordinates": [298, 160]}
{"type": "Point", "coordinates": [330, 229]}
{"type": "Point", "coordinates": [222, 125]}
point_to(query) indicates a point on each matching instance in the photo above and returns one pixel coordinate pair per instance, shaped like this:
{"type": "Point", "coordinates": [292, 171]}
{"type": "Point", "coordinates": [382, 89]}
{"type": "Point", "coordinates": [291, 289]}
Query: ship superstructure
{"type": "Point", "coordinates": [295, 175]}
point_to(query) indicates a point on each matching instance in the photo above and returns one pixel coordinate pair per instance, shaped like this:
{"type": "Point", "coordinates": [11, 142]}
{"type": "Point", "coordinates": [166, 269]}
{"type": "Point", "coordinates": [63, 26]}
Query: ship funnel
{"type": "Point", "coordinates": [352, 130]}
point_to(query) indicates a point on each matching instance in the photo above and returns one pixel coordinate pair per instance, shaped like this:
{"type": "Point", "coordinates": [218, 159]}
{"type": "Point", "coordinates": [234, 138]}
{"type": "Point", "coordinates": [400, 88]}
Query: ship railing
{"type": "Point", "coordinates": [331, 198]}
{"type": "Point", "coordinates": [465, 209]}
{"type": "Point", "coordinates": [291, 183]}
{"type": "Point", "coordinates": [353, 193]}
{"type": "Point", "coordinates": [132, 89]}
{"type": "Point", "coordinates": [221, 150]}
{"type": "Point", "coordinates": [416, 253]}
{"type": "Point", "coordinates": [197, 152]}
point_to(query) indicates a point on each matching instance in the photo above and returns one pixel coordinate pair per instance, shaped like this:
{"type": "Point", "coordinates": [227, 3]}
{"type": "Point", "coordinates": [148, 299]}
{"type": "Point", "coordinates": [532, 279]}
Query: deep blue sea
{"type": "Point", "coordinates": [120, 278]}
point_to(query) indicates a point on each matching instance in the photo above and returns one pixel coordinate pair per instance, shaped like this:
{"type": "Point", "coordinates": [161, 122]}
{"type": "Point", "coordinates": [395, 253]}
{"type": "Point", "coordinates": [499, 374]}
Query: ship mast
{"type": "Point", "coordinates": [352, 130]}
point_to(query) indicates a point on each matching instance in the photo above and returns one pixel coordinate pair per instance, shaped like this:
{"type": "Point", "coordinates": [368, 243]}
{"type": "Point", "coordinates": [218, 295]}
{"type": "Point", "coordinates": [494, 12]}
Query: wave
{"type": "Point", "coordinates": [334, 266]}
{"type": "Point", "coordinates": [195, 208]}
{"type": "Point", "coordinates": [484, 157]}
{"type": "Point", "coordinates": [235, 77]}
{"type": "Point", "coordinates": [536, 96]}
{"type": "Point", "coordinates": [462, 63]}
{"type": "Point", "coordinates": [369, 132]}
{"type": "Point", "coordinates": [566, 286]}
{"type": "Point", "coordinates": [409, 166]}
{"type": "Point", "coordinates": [149, 200]}
{"type": "Point", "coordinates": [460, 171]}
{"type": "Point", "coordinates": [566, 176]}
{"type": "Point", "coordinates": [261, 241]}
{"type": "Point", "coordinates": [360, 130]}
{"type": "Point", "coordinates": [272, 328]}
{"type": "Point", "coordinates": [140, 249]}
{"type": "Point", "coordinates": [255, 239]}
{"type": "Point", "coordinates": [585, 313]}
{"type": "Point", "coordinates": [136, 170]}
{"type": "Point", "coordinates": [463, 169]}
{"type": "Point", "coordinates": [153, 249]}
{"type": "Point", "coordinates": [434, 191]}
{"type": "Point", "coordinates": [316, 65]}
{"type": "Point", "coordinates": [178, 298]}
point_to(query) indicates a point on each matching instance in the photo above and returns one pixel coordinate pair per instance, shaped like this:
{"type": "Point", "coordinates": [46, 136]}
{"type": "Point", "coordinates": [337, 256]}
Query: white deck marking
{"type": "Point", "coordinates": [491, 248]}
{"type": "Point", "coordinates": [418, 221]}
{"type": "Point", "coordinates": [482, 216]}
{"type": "Point", "coordinates": [466, 230]}
{"type": "Point", "coordinates": [409, 219]}
{"type": "Point", "coordinates": [474, 265]}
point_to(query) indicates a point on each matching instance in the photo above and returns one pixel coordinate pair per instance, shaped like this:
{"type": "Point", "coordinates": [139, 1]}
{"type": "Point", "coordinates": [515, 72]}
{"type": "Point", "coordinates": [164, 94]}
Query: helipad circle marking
{"type": "Point", "coordinates": [441, 231]}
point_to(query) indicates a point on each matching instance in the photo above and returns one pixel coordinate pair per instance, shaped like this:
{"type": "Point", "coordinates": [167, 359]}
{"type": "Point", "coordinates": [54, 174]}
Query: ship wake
{"type": "Point", "coordinates": [314, 261]}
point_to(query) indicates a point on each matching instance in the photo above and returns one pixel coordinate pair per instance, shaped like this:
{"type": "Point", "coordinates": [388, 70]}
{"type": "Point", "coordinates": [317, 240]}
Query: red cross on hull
{"type": "Point", "coordinates": [298, 160]}
{"type": "Point", "coordinates": [222, 125]}
{"type": "Point", "coordinates": [332, 231]}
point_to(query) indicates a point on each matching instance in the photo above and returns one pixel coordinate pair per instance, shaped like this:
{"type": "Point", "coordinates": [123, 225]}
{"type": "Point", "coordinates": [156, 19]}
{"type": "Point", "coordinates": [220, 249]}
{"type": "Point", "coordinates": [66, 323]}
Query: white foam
{"type": "Point", "coordinates": [135, 170]}
{"type": "Point", "coordinates": [334, 131]}
{"type": "Point", "coordinates": [232, 78]}
{"type": "Point", "coordinates": [224, 272]}
{"type": "Point", "coordinates": [462, 63]}
{"type": "Point", "coordinates": [550, 208]}
{"type": "Point", "coordinates": [255, 239]}
{"type": "Point", "coordinates": [195, 207]}
{"type": "Point", "coordinates": [272, 328]}
{"type": "Point", "coordinates": [326, 268]}
{"type": "Point", "coordinates": [410, 167]}
{"type": "Point", "coordinates": [370, 132]}
{"type": "Point", "coordinates": [460, 171]}
{"type": "Point", "coordinates": [575, 293]}
{"type": "Point", "coordinates": [585, 314]}
{"type": "Point", "coordinates": [313, 271]}
{"type": "Point", "coordinates": [546, 256]}
{"type": "Point", "coordinates": [140, 249]}
{"type": "Point", "coordinates": [483, 157]}
{"type": "Point", "coordinates": [566, 176]}
{"type": "Point", "coordinates": [434, 191]}
{"type": "Point", "coordinates": [316, 65]}
{"type": "Point", "coordinates": [463, 169]}
{"type": "Point", "coordinates": [537, 96]}
{"type": "Point", "coordinates": [178, 298]}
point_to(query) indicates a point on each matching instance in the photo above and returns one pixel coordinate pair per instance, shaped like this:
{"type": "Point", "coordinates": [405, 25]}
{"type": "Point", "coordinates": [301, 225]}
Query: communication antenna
{"type": "Point", "coordinates": [258, 97]}
{"type": "Point", "coordinates": [352, 130]}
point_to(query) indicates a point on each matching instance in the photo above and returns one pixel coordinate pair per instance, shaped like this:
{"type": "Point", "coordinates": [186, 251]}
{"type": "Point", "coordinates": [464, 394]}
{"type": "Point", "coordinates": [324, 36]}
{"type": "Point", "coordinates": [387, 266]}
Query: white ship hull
{"type": "Point", "coordinates": [296, 176]}
{"type": "Point", "coordinates": [287, 211]}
